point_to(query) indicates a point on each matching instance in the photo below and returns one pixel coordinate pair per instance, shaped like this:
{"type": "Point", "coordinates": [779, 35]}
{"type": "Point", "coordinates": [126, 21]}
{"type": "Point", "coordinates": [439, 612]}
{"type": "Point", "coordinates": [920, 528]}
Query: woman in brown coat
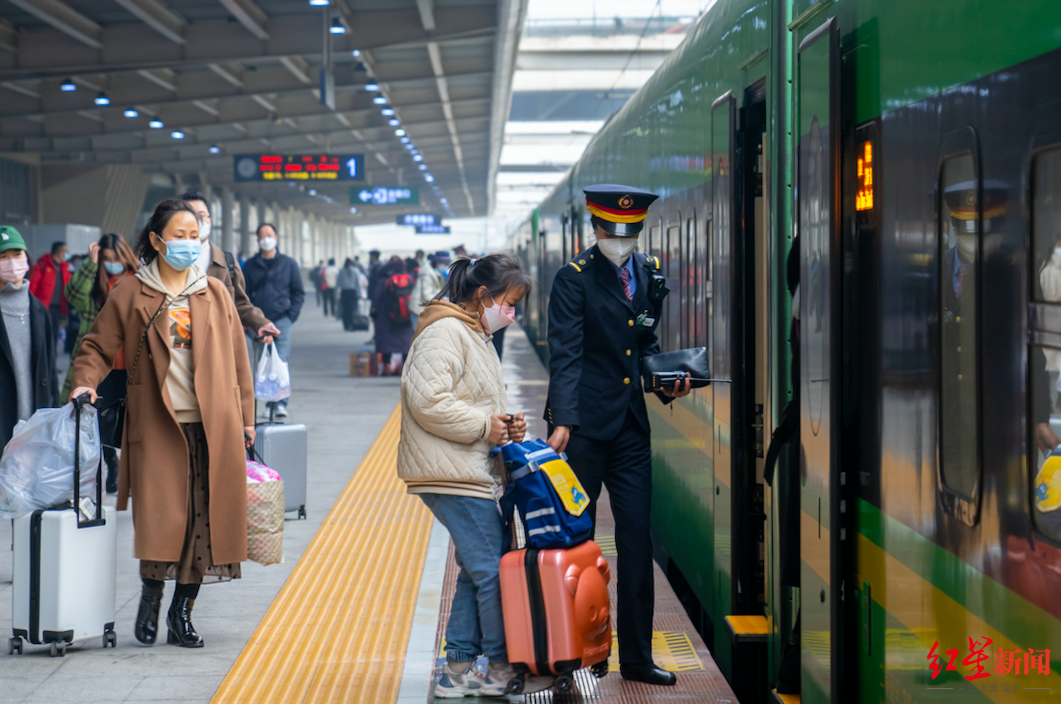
{"type": "Point", "coordinates": [190, 404]}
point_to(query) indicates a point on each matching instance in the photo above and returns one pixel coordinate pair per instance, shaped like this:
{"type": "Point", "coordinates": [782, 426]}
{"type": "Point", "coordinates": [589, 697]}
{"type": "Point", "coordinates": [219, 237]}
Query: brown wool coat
{"type": "Point", "coordinates": [154, 464]}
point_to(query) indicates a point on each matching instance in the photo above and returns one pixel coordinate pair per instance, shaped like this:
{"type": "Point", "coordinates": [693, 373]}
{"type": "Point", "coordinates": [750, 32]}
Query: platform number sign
{"type": "Point", "coordinates": [299, 167]}
{"type": "Point", "coordinates": [864, 173]}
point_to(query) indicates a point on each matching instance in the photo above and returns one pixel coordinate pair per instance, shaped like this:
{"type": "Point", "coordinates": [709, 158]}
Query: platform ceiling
{"type": "Point", "coordinates": [243, 76]}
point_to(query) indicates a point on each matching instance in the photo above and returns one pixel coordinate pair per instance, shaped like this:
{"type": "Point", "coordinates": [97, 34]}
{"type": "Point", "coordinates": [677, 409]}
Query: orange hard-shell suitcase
{"type": "Point", "coordinates": [557, 612]}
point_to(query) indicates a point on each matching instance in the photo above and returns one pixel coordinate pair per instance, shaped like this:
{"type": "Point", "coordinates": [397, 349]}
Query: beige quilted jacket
{"type": "Point", "coordinates": [451, 385]}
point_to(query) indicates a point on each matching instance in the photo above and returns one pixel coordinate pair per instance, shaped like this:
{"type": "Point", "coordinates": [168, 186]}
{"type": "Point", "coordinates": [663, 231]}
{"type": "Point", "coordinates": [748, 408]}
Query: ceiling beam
{"type": "Point", "coordinates": [159, 18]}
{"type": "Point", "coordinates": [227, 74]}
{"type": "Point", "coordinates": [249, 15]}
{"type": "Point", "coordinates": [8, 37]}
{"type": "Point", "coordinates": [161, 77]}
{"type": "Point", "coordinates": [427, 13]}
{"type": "Point", "coordinates": [64, 18]}
{"type": "Point", "coordinates": [298, 67]}
{"type": "Point", "coordinates": [20, 89]}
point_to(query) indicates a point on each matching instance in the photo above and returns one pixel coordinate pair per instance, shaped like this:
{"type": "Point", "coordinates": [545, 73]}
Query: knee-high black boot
{"type": "Point", "coordinates": [146, 629]}
{"type": "Point", "coordinates": [179, 618]}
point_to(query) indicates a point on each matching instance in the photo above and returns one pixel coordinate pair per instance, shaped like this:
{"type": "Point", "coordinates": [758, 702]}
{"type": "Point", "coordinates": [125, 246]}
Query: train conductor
{"type": "Point", "coordinates": [603, 312]}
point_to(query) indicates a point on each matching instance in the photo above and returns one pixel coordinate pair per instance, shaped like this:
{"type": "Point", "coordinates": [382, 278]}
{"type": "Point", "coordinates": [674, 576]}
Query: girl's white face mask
{"type": "Point", "coordinates": [497, 317]}
{"type": "Point", "coordinates": [618, 250]}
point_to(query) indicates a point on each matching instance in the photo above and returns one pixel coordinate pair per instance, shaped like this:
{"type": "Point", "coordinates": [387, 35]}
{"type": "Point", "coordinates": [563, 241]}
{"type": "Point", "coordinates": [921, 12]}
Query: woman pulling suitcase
{"type": "Point", "coordinates": [453, 414]}
{"type": "Point", "coordinates": [190, 403]}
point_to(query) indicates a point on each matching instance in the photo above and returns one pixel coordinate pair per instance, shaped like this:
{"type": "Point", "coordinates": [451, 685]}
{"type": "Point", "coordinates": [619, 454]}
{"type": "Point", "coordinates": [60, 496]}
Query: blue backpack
{"type": "Point", "coordinates": [548, 496]}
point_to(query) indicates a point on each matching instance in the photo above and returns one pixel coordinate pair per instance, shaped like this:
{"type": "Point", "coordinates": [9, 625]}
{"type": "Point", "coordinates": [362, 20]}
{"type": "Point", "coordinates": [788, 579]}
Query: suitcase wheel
{"type": "Point", "coordinates": [515, 685]}
{"type": "Point", "coordinates": [14, 645]}
{"type": "Point", "coordinates": [564, 684]}
{"type": "Point", "coordinates": [110, 638]}
{"type": "Point", "coordinates": [600, 670]}
{"type": "Point", "coordinates": [301, 513]}
{"type": "Point", "coordinates": [58, 649]}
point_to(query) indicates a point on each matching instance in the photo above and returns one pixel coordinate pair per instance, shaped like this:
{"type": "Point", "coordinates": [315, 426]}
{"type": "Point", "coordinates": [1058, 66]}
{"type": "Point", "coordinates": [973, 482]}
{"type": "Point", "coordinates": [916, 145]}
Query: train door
{"type": "Point", "coordinates": [818, 202]}
{"type": "Point", "coordinates": [737, 319]}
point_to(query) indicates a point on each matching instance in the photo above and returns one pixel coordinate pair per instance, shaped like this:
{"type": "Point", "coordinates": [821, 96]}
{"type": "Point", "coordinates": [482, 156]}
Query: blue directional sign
{"type": "Point", "coordinates": [419, 219]}
{"type": "Point", "coordinates": [384, 195]}
{"type": "Point", "coordinates": [432, 229]}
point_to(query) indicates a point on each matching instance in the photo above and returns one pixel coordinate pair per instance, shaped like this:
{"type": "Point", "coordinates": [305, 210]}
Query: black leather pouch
{"type": "Point", "coordinates": [662, 371]}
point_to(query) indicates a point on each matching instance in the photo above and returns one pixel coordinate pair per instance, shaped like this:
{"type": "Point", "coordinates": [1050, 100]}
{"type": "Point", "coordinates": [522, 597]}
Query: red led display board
{"type": "Point", "coordinates": [299, 167]}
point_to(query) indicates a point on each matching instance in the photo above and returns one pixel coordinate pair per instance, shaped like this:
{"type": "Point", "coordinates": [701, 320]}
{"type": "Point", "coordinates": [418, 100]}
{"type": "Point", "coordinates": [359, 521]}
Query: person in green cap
{"type": "Point", "coordinates": [28, 380]}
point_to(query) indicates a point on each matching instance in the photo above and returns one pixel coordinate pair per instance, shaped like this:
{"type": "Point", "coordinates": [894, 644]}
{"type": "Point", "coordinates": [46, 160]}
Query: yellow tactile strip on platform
{"type": "Point", "coordinates": [339, 628]}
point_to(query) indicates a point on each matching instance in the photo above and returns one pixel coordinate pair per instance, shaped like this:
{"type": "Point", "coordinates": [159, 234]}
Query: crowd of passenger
{"type": "Point", "coordinates": [386, 295]}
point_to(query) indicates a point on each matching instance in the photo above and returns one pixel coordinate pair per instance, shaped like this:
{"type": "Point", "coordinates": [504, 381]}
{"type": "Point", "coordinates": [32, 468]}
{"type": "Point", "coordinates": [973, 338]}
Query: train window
{"type": "Point", "coordinates": [674, 282]}
{"type": "Point", "coordinates": [1045, 427]}
{"type": "Point", "coordinates": [959, 397]}
{"type": "Point", "coordinates": [1046, 225]}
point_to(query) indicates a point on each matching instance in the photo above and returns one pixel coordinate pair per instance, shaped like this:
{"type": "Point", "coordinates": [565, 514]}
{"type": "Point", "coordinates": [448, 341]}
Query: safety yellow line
{"type": "Point", "coordinates": [339, 628]}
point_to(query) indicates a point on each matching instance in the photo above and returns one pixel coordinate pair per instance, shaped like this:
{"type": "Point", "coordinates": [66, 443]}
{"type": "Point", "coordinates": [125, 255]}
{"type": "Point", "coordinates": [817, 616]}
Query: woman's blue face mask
{"type": "Point", "coordinates": [181, 254]}
{"type": "Point", "coordinates": [114, 268]}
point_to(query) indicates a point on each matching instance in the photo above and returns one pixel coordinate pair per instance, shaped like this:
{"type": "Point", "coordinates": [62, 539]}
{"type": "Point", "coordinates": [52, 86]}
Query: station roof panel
{"type": "Point", "coordinates": [243, 76]}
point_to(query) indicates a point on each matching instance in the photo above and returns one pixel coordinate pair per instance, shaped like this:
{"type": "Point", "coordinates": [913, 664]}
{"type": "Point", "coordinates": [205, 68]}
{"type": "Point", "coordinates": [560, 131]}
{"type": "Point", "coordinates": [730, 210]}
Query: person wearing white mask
{"type": "Point", "coordinates": [603, 312]}
{"type": "Point", "coordinates": [274, 284]}
{"type": "Point", "coordinates": [453, 413]}
{"type": "Point", "coordinates": [27, 344]}
{"type": "Point", "coordinates": [1050, 281]}
{"type": "Point", "coordinates": [223, 266]}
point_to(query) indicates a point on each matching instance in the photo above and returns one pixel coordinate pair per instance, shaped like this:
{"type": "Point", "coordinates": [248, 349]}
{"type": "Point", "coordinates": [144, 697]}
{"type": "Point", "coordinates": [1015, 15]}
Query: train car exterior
{"type": "Point", "coordinates": [915, 147]}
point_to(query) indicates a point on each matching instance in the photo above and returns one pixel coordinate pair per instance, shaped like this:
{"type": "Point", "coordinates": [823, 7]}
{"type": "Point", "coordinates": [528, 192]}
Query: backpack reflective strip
{"type": "Point", "coordinates": [540, 512]}
{"type": "Point", "coordinates": [546, 529]}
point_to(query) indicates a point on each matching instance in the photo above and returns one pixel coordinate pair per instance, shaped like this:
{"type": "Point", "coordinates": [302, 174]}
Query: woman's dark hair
{"type": "Point", "coordinates": [498, 272]}
{"type": "Point", "coordinates": [164, 212]}
{"type": "Point", "coordinates": [348, 262]}
{"type": "Point", "coordinates": [264, 224]}
{"type": "Point", "coordinates": [101, 286]}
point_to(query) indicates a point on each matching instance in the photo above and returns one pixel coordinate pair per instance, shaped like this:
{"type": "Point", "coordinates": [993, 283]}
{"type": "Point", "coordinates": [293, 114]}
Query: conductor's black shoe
{"type": "Point", "coordinates": [649, 674]}
{"type": "Point", "coordinates": [146, 629]}
{"type": "Point", "coordinates": [179, 622]}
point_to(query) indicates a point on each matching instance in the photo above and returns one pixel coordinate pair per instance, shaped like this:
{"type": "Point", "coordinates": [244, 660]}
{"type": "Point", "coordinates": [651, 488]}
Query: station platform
{"type": "Point", "coordinates": [356, 611]}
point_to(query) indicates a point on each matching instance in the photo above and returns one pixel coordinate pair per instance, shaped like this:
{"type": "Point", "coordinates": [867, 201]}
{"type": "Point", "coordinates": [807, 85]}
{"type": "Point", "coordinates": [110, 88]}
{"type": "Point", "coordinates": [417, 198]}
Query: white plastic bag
{"type": "Point", "coordinates": [273, 381]}
{"type": "Point", "coordinates": [37, 467]}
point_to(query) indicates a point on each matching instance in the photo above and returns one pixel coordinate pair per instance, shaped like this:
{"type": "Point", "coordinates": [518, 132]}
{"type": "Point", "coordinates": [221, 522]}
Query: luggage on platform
{"type": "Point", "coordinates": [358, 323]}
{"type": "Point", "coordinates": [557, 612]}
{"type": "Point", "coordinates": [283, 447]}
{"type": "Point", "coordinates": [64, 566]}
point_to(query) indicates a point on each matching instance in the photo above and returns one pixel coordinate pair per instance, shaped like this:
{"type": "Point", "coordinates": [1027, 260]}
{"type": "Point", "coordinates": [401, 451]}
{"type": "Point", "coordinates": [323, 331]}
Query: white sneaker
{"type": "Point", "coordinates": [281, 412]}
{"type": "Point", "coordinates": [454, 685]}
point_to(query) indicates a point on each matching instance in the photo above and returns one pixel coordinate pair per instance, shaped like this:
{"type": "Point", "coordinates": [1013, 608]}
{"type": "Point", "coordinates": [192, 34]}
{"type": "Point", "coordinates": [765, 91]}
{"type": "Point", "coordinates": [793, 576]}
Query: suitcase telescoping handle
{"type": "Point", "coordinates": [79, 404]}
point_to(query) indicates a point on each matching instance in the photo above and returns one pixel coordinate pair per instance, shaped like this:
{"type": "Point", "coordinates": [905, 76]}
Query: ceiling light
{"type": "Point", "coordinates": [417, 157]}
{"type": "Point", "coordinates": [399, 132]}
{"type": "Point", "coordinates": [155, 124]}
{"type": "Point", "coordinates": [394, 122]}
{"type": "Point", "coordinates": [102, 99]}
{"type": "Point", "coordinates": [429, 178]}
{"type": "Point", "coordinates": [444, 200]}
{"type": "Point", "coordinates": [404, 140]}
{"type": "Point", "coordinates": [410, 147]}
{"type": "Point", "coordinates": [318, 3]}
{"type": "Point", "coordinates": [68, 85]}
{"type": "Point", "coordinates": [387, 112]}
{"type": "Point", "coordinates": [176, 134]}
{"type": "Point", "coordinates": [353, 211]}
{"type": "Point", "coordinates": [379, 100]}
{"type": "Point", "coordinates": [372, 87]}
{"type": "Point", "coordinates": [131, 113]}
{"type": "Point", "coordinates": [423, 167]}
{"type": "Point", "coordinates": [356, 53]}
{"type": "Point", "coordinates": [312, 192]}
{"type": "Point", "coordinates": [337, 27]}
{"type": "Point", "coordinates": [214, 149]}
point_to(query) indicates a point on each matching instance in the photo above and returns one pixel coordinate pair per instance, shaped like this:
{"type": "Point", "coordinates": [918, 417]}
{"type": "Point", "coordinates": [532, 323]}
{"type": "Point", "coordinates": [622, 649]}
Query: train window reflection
{"type": "Point", "coordinates": [1045, 446]}
{"type": "Point", "coordinates": [959, 249]}
{"type": "Point", "coordinates": [1046, 226]}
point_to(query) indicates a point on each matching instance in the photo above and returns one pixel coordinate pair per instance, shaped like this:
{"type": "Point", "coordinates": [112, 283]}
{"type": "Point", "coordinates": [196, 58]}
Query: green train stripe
{"type": "Point", "coordinates": [924, 578]}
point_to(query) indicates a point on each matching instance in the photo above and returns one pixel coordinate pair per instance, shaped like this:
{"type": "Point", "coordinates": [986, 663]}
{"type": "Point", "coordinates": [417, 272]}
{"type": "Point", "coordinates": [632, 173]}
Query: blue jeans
{"type": "Point", "coordinates": [476, 625]}
{"type": "Point", "coordinates": [283, 347]}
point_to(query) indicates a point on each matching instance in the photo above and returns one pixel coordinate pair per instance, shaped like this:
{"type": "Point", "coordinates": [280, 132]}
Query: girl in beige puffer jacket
{"type": "Point", "coordinates": [453, 414]}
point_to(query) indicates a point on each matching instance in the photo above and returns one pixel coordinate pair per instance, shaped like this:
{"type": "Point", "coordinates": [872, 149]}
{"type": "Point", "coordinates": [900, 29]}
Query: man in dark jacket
{"type": "Point", "coordinates": [274, 284]}
{"type": "Point", "coordinates": [48, 283]}
{"type": "Point", "coordinates": [27, 348]}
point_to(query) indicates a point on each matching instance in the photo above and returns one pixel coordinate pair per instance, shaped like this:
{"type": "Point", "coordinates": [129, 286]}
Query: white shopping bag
{"type": "Point", "coordinates": [273, 380]}
{"type": "Point", "coordinates": [37, 467]}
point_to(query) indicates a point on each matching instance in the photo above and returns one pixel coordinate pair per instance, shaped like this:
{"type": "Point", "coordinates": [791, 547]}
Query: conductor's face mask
{"type": "Point", "coordinates": [617, 250]}
{"type": "Point", "coordinates": [497, 317]}
{"type": "Point", "coordinates": [967, 247]}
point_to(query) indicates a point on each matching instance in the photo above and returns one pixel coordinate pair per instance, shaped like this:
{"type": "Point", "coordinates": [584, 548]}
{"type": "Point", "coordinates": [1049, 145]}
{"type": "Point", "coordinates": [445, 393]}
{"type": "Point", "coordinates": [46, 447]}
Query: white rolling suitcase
{"type": "Point", "coordinates": [64, 570]}
{"type": "Point", "coordinates": [283, 447]}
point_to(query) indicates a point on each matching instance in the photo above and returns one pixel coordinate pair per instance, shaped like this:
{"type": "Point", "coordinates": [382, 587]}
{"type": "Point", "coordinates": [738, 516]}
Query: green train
{"type": "Point", "coordinates": [915, 149]}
